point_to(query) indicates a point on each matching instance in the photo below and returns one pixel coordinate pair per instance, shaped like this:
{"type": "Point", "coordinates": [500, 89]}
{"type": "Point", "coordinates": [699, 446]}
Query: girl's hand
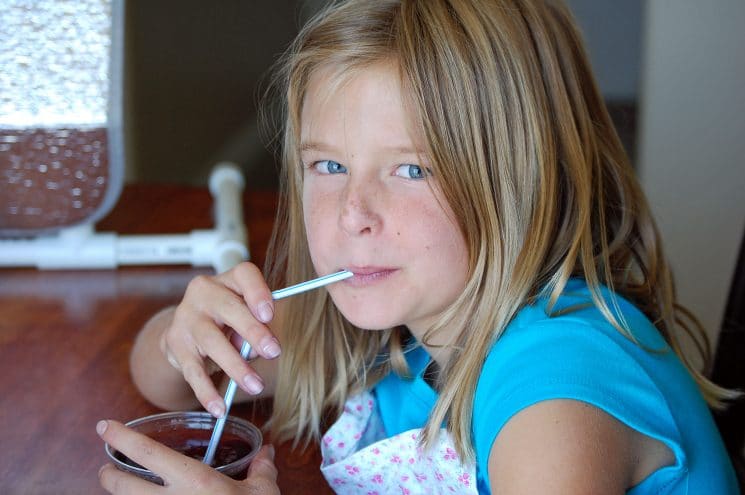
{"type": "Point", "coordinates": [181, 474]}
{"type": "Point", "coordinates": [216, 314]}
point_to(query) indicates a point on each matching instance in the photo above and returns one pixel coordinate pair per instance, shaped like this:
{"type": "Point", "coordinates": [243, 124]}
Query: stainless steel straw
{"type": "Point", "coordinates": [209, 456]}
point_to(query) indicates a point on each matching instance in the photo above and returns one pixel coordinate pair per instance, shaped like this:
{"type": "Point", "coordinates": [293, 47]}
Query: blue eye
{"type": "Point", "coordinates": [410, 171]}
{"type": "Point", "coordinates": [329, 167]}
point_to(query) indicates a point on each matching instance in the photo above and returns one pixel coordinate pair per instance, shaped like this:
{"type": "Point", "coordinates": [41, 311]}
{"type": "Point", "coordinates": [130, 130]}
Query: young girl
{"type": "Point", "coordinates": [511, 325]}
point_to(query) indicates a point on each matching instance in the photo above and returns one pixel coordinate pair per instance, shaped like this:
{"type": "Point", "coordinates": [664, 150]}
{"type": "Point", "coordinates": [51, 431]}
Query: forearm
{"type": "Point", "coordinates": [158, 381]}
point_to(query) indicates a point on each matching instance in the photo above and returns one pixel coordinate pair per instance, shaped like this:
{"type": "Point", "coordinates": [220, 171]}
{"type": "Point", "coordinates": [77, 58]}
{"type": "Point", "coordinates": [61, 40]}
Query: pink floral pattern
{"type": "Point", "coordinates": [358, 459]}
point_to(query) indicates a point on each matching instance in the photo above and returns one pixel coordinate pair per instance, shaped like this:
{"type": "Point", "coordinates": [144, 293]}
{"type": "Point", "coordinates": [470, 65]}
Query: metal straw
{"type": "Point", "coordinates": [209, 456]}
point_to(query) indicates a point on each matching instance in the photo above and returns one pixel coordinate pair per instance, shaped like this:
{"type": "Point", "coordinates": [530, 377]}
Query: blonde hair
{"type": "Point", "coordinates": [522, 148]}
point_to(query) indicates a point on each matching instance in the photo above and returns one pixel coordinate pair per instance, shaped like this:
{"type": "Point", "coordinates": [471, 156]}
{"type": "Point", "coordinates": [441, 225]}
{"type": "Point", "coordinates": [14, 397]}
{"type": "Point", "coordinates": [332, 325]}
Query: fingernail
{"type": "Point", "coordinates": [265, 312]}
{"type": "Point", "coordinates": [270, 347]}
{"type": "Point", "coordinates": [101, 427]}
{"type": "Point", "coordinates": [253, 384]}
{"type": "Point", "coordinates": [270, 449]}
{"type": "Point", "coordinates": [215, 408]}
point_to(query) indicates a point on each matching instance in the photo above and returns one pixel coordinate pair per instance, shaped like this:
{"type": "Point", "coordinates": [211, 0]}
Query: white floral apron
{"type": "Point", "coordinates": [359, 459]}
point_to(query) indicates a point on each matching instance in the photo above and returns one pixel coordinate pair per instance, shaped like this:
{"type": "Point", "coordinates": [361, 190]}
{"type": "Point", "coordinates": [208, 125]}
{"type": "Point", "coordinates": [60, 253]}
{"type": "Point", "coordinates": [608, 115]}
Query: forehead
{"type": "Point", "coordinates": [368, 97]}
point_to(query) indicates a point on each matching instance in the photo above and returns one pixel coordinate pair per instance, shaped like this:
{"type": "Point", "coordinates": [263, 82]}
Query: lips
{"type": "Point", "coordinates": [368, 275]}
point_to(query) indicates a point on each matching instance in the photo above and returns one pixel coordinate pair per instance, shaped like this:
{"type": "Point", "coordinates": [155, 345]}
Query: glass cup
{"type": "Point", "coordinates": [189, 433]}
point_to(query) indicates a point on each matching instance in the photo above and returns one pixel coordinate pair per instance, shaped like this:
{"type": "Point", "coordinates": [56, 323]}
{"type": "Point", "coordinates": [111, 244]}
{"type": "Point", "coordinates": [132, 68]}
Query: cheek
{"type": "Point", "coordinates": [317, 216]}
{"type": "Point", "coordinates": [440, 226]}
{"type": "Point", "coordinates": [447, 247]}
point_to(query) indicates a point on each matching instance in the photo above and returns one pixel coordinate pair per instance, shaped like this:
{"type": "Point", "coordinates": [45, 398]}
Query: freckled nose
{"type": "Point", "coordinates": [358, 216]}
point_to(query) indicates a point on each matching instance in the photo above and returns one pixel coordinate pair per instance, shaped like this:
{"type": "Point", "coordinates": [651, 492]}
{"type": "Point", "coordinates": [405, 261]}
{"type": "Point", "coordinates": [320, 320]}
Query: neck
{"type": "Point", "coordinates": [438, 346]}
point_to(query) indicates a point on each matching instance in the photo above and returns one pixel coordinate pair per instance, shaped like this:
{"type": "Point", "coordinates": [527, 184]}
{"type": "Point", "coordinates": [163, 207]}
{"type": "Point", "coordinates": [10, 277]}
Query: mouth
{"type": "Point", "coordinates": [367, 275]}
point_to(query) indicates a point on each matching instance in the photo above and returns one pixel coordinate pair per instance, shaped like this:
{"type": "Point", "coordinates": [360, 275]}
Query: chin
{"type": "Point", "coordinates": [366, 318]}
{"type": "Point", "coordinates": [366, 323]}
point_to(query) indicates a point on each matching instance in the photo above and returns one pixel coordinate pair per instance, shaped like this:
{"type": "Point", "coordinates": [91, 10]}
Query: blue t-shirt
{"type": "Point", "coordinates": [580, 356]}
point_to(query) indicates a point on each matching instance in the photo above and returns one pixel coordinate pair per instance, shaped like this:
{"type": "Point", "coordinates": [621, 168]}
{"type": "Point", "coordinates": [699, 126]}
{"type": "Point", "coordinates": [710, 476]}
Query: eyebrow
{"type": "Point", "coordinates": [315, 146]}
{"type": "Point", "coordinates": [310, 146]}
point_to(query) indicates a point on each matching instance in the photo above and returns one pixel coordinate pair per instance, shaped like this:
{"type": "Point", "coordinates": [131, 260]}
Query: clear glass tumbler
{"type": "Point", "coordinates": [189, 433]}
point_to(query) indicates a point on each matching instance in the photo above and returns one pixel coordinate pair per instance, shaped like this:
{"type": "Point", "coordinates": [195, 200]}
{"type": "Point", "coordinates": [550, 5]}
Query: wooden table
{"type": "Point", "coordinates": [65, 338]}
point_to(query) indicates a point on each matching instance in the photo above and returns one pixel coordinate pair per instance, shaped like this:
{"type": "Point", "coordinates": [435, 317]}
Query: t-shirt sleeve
{"type": "Point", "coordinates": [570, 359]}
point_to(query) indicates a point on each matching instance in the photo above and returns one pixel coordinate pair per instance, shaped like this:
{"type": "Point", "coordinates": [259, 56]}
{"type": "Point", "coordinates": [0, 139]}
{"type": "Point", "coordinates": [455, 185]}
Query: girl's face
{"type": "Point", "coordinates": [368, 206]}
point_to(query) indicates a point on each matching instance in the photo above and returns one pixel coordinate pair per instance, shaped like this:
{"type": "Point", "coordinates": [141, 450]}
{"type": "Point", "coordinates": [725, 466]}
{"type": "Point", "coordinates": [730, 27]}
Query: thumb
{"type": "Point", "coordinates": [262, 466]}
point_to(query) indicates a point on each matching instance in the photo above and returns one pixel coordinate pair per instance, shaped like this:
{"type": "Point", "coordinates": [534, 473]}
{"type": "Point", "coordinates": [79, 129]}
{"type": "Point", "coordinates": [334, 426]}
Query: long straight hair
{"type": "Point", "coordinates": [524, 150]}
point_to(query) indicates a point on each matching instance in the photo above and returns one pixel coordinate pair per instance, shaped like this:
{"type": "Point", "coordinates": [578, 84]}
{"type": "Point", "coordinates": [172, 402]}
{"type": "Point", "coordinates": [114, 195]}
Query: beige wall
{"type": "Point", "coordinates": [692, 142]}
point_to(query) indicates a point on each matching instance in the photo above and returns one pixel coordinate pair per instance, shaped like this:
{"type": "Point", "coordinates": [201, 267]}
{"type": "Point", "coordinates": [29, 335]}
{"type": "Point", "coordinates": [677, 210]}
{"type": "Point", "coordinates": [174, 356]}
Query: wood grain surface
{"type": "Point", "coordinates": [65, 338]}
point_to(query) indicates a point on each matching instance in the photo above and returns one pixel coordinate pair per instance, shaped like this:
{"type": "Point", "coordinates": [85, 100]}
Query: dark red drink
{"type": "Point", "coordinates": [189, 433]}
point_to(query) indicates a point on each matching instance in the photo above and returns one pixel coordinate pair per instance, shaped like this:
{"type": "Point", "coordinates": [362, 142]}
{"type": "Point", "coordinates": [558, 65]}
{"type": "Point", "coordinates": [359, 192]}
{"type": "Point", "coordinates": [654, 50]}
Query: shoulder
{"type": "Point", "coordinates": [549, 375]}
{"type": "Point", "coordinates": [540, 355]}
{"type": "Point", "coordinates": [557, 377]}
{"type": "Point", "coordinates": [573, 447]}
{"type": "Point", "coordinates": [574, 344]}
{"type": "Point", "coordinates": [578, 355]}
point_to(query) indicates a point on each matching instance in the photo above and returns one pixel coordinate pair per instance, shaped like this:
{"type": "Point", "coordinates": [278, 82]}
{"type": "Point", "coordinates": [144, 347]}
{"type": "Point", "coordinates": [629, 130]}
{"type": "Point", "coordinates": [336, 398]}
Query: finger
{"type": "Point", "coordinates": [118, 482]}
{"type": "Point", "coordinates": [196, 375]}
{"type": "Point", "coordinates": [156, 457]}
{"type": "Point", "coordinates": [214, 346]}
{"type": "Point", "coordinates": [224, 354]}
{"type": "Point", "coordinates": [183, 353]}
{"type": "Point", "coordinates": [262, 466]}
{"type": "Point", "coordinates": [235, 339]}
{"type": "Point", "coordinates": [246, 279]}
{"type": "Point", "coordinates": [242, 307]}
